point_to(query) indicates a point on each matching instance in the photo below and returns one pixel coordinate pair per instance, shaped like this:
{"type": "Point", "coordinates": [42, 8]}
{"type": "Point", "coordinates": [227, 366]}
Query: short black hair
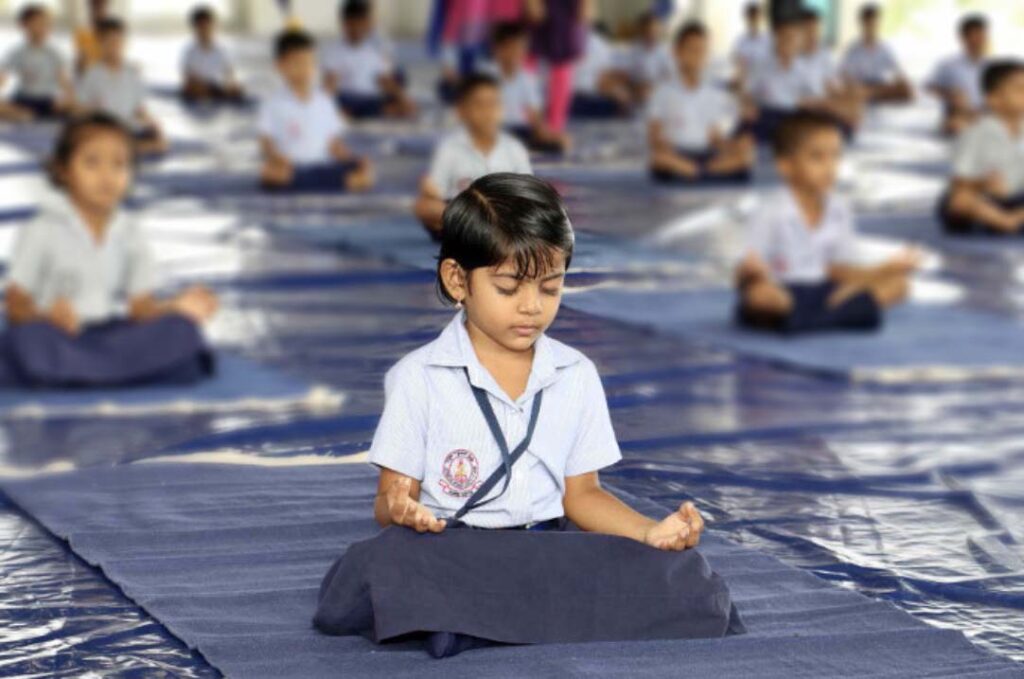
{"type": "Point", "coordinates": [30, 12]}
{"type": "Point", "coordinates": [752, 9]}
{"type": "Point", "coordinates": [506, 31]}
{"type": "Point", "coordinates": [973, 22]}
{"type": "Point", "coordinates": [689, 30]}
{"type": "Point", "coordinates": [809, 14]}
{"type": "Point", "coordinates": [472, 82]}
{"type": "Point", "coordinates": [108, 25]}
{"type": "Point", "coordinates": [794, 129]}
{"type": "Point", "coordinates": [505, 216]}
{"type": "Point", "coordinates": [998, 72]}
{"type": "Point", "coordinates": [201, 14]}
{"type": "Point", "coordinates": [292, 40]}
{"type": "Point", "coordinates": [75, 131]}
{"type": "Point", "coordinates": [869, 11]}
{"type": "Point", "coordinates": [354, 9]}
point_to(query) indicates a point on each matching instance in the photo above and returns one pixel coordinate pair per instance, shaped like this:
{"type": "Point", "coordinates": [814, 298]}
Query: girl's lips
{"type": "Point", "coordinates": [525, 330]}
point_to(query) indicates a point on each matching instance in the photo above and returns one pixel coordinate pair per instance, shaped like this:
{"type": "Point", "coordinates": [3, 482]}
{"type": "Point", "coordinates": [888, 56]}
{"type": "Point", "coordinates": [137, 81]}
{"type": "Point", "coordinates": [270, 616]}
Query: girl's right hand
{"type": "Point", "coordinates": [63, 315]}
{"type": "Point", "coordinates": [404, 511]}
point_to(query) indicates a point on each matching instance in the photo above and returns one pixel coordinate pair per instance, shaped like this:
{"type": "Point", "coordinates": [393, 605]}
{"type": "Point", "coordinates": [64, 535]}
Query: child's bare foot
{"type": "Point", "coordinates": [197, 303]}
{"type": "Point", "coordinates": [362, 179]}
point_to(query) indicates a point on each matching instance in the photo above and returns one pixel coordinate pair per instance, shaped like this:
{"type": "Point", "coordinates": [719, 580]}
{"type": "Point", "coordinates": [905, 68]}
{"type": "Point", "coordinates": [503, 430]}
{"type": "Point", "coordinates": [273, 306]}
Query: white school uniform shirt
{"type": "Point", "coordinates": [301, 129]}
{"type": "Point", "coordinates": [457, 163]}
{"type": "Point", "coordinates": [520, 94]}
{"type": "Point", "coordinates": [871, 64]}
{"type": "Point", "coordinates": [598, 58]}
{"type": "Point", "coordinates": [119, 92]}
{"type": "Point", "coordinates": [774, 86]}
{"type": "Point", "coordinates": [795, 252]}
{"type": "Point", "coordinates": [38, 69]}
{"type": "Point", "coordinates": [988, 147]}
{"type": "Point", "coordinates": [55, 256]}
{"type": "Point", "coordinates": [358, 68]}
{"type": "Point", "coordinates": [432, 429]}
{"type": "Point", "coordinates": [688, 115]}
{"type": "Point", "coordinates": [651, 64]}
{"type": "Point", "coordinates": [209, 64]}
{"type": "Point", "coordinates": [751, 49]}
{"type": "Point", "coordinates": [821, 70]}
{"type": "Point", "coordinates": [962, 74]}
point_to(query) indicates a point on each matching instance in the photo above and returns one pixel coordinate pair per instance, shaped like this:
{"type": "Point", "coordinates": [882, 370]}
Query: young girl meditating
{"type": "Point", "coordinates": [494, 426]}
{"type": "Point", "coordinates": [81, 309]}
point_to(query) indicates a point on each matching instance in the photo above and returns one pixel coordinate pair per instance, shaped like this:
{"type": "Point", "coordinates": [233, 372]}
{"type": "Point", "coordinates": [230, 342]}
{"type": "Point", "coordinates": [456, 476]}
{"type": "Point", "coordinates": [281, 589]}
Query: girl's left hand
{"type": "Point", "coordinates": [678, 531]}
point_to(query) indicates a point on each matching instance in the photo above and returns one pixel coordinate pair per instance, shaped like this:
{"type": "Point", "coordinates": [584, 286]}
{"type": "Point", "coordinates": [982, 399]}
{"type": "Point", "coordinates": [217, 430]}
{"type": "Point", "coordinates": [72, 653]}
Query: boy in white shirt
{"type": "Point", "coordinates": [800, 272]}
{"type": "Point", "coordinates": [600, 89]}
{"type": "Point", "coordinates": [753, 45]}
{"type": "Point", "coordinates": [206, 69]}
{"type": "Point", "coordinates": [477, 149]}
{"type": "Point", "coordinates": [521, 97]}
{"type": "Point", "coordinates": [782, 83]}
{"type": "Point", "coordinates": [691, 121]}
{"type": "Point", "coordinates": [113, 86]}
{"type": "Point", "coordinates": [301, 131]}
{"type": "Point", "coordinates": [957, 79]}
{"type": "Point", "coordinates": [44, 88]}
{"type": "Point", "coordinates": [359, 73]}
{"type": "Point", "coordinates": [650, 61]}
{"type": "Point", "coordinates": [871, 64]}
{"type": "Point", "coordinates": [987, 190]}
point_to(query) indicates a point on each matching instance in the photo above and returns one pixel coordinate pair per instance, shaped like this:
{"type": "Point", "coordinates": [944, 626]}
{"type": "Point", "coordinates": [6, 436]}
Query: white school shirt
{"type": "Point", "coordinates": [598, 58]}
{"type": "Point", "coordinates": [821, 70]}
{"type": "Point", "coordinates": [751, 49]}
{"type": "Point", "coordinates": [688, 115]}
{"type": "Point", "coordinates": [776, 87]}
{"type": "Point", "coordinates": [302, 130]}
{"type": "Point", "coordinates": [793, 251]}
{"type": "Point", "coordinates": [962, 74]}
{"type": "Point", "coordinates": [457, 163]}
{"type": "Point", "coordinates": [358, 68]}
{"type": "Point", "coordinates": [650, 64]}
{"type": "Point", "coordinates": [432, 429]}
{"type": "Point", "coordinates": [55, 255]}
{"type": "Point", "coordinates": [118, 92]}
{"type": "Point", "coordinates": [38, 69]}
{"type": "Point", "coordinates": [209, 64]}
{"type": "Point", "coordinates": [871, 64]}
{"type": "Point", "coordinates": [988, 147]}
{"type": "Point", "coordinates": [520, 94]}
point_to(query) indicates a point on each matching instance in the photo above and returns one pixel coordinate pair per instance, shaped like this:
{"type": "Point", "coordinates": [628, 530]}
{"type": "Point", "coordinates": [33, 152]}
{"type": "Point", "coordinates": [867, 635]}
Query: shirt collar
{"type": "Point", "coordinates": [60, 204]}
{"type": "Point", "coordinates": [454, 349]}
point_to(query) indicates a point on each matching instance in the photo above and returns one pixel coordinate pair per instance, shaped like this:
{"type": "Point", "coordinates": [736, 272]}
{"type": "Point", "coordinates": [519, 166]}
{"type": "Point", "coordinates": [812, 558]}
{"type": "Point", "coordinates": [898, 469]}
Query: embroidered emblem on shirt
{"type": "Point", "coordinates": [460, 473]}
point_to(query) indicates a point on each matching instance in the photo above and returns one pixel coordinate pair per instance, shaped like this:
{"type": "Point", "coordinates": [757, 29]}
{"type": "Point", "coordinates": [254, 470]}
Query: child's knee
{"type": "Point", "coordinates": [766, 297]}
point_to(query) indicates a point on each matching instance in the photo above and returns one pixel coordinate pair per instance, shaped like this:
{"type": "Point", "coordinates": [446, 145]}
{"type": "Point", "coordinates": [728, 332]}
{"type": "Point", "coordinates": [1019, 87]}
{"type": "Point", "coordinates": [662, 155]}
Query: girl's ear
{"type": "Point", "coordinates": [454, 280]}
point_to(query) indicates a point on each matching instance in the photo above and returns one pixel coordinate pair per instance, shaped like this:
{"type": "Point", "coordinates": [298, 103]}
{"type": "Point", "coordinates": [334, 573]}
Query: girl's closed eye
{"type": "Point", "coordinates": [507, 292]}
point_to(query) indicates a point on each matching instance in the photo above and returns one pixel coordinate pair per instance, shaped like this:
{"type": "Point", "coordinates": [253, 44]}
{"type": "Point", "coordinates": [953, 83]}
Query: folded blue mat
{"type": "Point", "coordinates": [237, 385]}
{"type": "Point", "coordinates": [229, 559]}
{"type": "Point", "coordinates": [404, 241]}
{"type": "Point", "coordinates": [917, 342]}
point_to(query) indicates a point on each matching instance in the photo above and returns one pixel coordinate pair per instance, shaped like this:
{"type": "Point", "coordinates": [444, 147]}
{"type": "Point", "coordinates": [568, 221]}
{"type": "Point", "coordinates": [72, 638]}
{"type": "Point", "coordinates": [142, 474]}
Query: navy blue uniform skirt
{"type": "Point", "coordinates": [167, 350]}
{"type": "Point", "coordinates": [324, 177]}
{"type": "Point", "coordinates": [812, 313]}
{"type": "Point", "coordinates": [701, 159]}
{"type": "Point", "coordinates": [958, 225]}
{"type": "Point", "coordinates": [595, 106]}
{"type": "Point", "coordinates": [361, 106]}
{"type": "Point", "coordinates": [465, 587]}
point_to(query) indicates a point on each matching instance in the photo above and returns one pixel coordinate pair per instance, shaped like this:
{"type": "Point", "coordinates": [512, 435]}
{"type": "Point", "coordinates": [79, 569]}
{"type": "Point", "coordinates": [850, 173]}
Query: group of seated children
{"type": "Point", "coordinates": [80, 303]}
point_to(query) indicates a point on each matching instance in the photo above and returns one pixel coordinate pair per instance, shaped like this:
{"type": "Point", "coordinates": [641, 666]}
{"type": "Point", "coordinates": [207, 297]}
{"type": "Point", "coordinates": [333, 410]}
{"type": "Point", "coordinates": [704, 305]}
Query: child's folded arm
{"type": "Point", "coordinates": [20, 306]}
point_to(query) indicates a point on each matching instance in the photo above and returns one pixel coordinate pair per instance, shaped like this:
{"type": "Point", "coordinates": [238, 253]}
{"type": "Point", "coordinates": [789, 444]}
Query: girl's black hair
{"type": "Point", "coordinates": [75, 131]}
{"type": "Point", "coordinates": [505, 217]}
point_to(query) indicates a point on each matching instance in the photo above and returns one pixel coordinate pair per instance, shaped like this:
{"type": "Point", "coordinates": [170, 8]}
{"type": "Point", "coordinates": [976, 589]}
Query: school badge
{"type": "Point", "coordinates": [460, 473]}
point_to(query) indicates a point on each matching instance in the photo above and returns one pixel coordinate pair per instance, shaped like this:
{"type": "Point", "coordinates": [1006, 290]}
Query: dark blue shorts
{"type": "Point", "coordinates": [360, 106]}
{"type": "Point", "coordinates": [462, 589]}
{"type": "Point", "coordinates": [961, 226]}
{"type": "Point", "coordinates": [595, 106]}
{"type": "Point", "coordinates": [41, 107]}
{"type": "Point", "coordinates": [167, 350]}
{"type": "Point", "coordinates": [524, 134]}
{"type": "Point", "coordinates": [216, 94]}
{"type": "Point", "coordinates": [701, 159]}
{"type": "Point", "coordinates": [812, 313]}
{"type": "Point", "coordinates": [326, 177]}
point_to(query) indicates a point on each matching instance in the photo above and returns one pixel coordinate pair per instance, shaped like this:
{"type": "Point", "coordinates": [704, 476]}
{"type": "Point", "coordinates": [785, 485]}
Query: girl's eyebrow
{"type": "Point", "coordinates": [549, 277]}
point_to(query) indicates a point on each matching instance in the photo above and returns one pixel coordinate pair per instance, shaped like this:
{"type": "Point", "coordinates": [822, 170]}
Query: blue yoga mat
{"type": "Point", "coordinates": [229, 559]}
{"type": "Point", "coordinates": [238, 384]}
{"type": "Point", "coordinates": [917, 342]}
{"type": "Point", "coordinates": [926, 228]}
